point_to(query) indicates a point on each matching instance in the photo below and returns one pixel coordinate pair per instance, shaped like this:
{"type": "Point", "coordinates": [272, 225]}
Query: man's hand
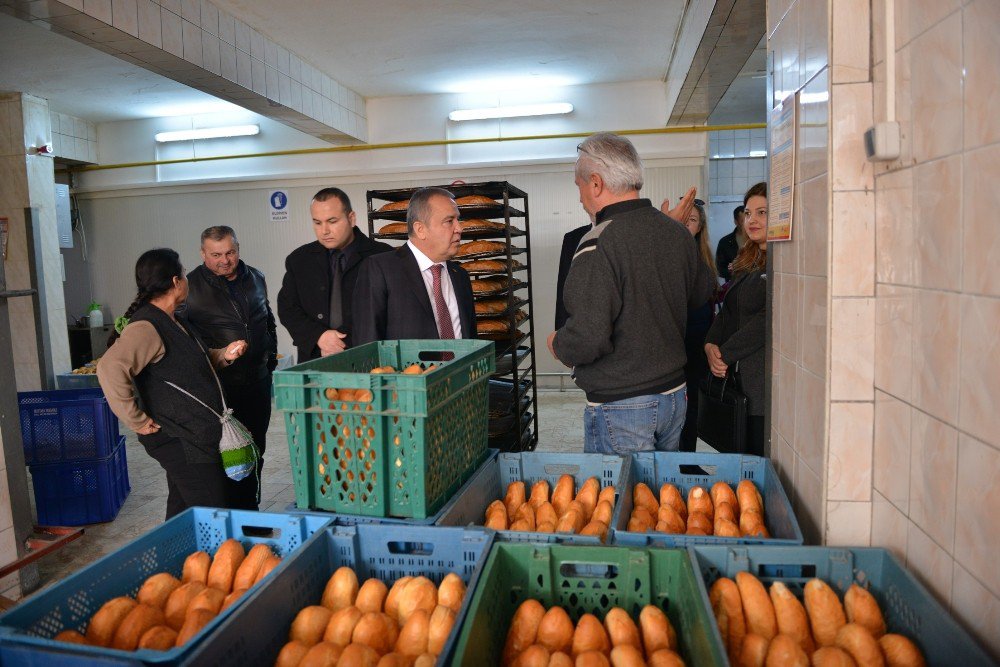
{"type": "Point", "coordinates": [550, 341]}
{"type": "Point", "coordinates": [235, 350]}
{"type": "Point", "coordinates": [331, 342]}
{"type": "Point", "coordinates": [149, 428]}
{"type": "Point", "coordinates": [684, 207]}
{"type": "Point", "coordinates": [715, 362]}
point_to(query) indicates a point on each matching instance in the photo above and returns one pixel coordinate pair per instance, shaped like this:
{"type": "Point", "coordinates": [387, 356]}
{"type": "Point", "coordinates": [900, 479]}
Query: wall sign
{"type": "Point", "coordinates": [781, 190]}
{"type": "Point", "coordinates": [277, 206]}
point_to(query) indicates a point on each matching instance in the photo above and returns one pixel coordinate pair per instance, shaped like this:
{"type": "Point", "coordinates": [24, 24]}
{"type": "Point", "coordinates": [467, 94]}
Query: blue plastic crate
{"type": "Point", "coordinates": [66, 425]}
{"type": "Point", "coordinates": [339, 519]}
{"type": "Point", "coordinates": [490, 483]}
{"type": "Point", "coordinates": [75, 493]}
{"type": "Point", "coordinates": [906, 605]}
{"type": "Point", "coordinates": [686, 470]}
{"type": "Point", "coordinates": [26, 630]}
{"type": "Point", "coordinates": [255, 634]}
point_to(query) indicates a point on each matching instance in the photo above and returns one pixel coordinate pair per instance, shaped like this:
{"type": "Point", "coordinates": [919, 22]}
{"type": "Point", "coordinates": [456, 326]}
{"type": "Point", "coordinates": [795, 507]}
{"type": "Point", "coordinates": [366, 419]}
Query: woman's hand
{"type": "Point", "coordinates": [235, 350]}
{"type": "Point", "coordinates": [715, 362]}
{"type": "Point", "coordinates": [149, 428]}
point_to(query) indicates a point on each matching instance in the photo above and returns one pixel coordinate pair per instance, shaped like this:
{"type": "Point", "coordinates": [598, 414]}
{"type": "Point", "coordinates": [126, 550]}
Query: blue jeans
{"type": "Point", "coordinates": [643, 423]}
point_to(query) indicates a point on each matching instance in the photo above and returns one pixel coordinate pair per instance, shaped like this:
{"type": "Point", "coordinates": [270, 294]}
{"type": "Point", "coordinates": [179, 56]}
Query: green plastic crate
{"type": "Point", "coordinates": [584, 579]}
{"type": "Point", "coordinates": [404, 453]}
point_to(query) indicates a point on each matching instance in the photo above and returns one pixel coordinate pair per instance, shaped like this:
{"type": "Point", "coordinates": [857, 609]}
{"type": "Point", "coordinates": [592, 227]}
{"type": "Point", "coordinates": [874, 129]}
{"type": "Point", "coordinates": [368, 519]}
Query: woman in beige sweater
{"type": "Point", "coordinates": [154, 351]}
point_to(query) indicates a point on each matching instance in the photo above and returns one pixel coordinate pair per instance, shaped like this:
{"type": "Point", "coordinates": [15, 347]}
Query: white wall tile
{"type": "Point", "coordinates": [227, 61]}
{"type": "Point", "coordinates": [244, 74]}
{"type": "Point", "coordinates": [209, 18]}
{"type": "Point", "coordinates": [191, 35]}
{"type": "Point", "coordinates": [172, 6]}
{"type": "Point", "coordinates": [296, 93]}
{"type": "Point", "coordinates": [295, 67]}
{"type": "Point", "coordinates": [271, 82]}
{"type": "Point", "coordinates": [242, 33]}
{"type": "Point", "coordinates": [211, 57]}
{"type": "Point", "coordinates": [149, 22]}
{"type": "Point", "coordinates": [270, 53]}
{"type": "Point", "coordinates": [283, 60]}
{"type": "Point", "coordinates": [227, 28]}
{"type": "Point", "coordinates": [99, 9]}
{"type": "Point", "coordinates": [172, 33]}
{"type": "Point", "coordinates": [125, 16]}
{"type": "Point", "coordinates": [191, 11]}
{"type": "Point", "coordinates": [256, 45]}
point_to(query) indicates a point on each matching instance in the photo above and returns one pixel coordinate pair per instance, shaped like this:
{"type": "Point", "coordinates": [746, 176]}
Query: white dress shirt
{"type": "Point", "coordinates": [424, 263]}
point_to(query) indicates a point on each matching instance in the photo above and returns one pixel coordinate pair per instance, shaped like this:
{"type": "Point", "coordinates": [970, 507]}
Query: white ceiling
{"type": "Point", "coordinates": [87, 83]}
{"type": "Point", "coordinates": [378, 48]}
{"type": "Point", "coordinates": [401, 47]}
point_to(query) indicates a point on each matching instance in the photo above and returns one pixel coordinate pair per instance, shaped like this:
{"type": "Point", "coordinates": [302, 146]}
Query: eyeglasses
{"type": "Point", "coordinates": [581, 149]}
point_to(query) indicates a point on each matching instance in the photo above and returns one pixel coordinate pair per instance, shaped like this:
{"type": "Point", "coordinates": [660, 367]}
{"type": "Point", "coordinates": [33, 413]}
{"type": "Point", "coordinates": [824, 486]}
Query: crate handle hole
{"type": "Point", "coordinates": [261, 531]}
{"type": "Point", "coordinates": [412, 548]}
{"type": "Point", "coordinates": [791, 571]}
{"type": "Point", "coordinates": [428, 355]}
{"type": "Point", "coordinates": [589, 570]}
{"type": "Point", "coordinates": [696, 470]}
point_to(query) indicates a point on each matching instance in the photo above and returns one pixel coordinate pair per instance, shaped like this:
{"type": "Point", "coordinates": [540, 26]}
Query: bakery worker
{"type": "Point", "coordinates": [226, 302]}
{"type": "Point", "coordinates": [416, 291]}
{"type": "Point", "coordinates": [314, 303]}
{"type": "Point", "coordinates": [630, 285]}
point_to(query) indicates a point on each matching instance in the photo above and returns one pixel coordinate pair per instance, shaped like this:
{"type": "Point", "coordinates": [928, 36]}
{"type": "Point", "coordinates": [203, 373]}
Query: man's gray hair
{"type": "Point", "coordinates": [419, 207]}
{"type": "Point", "coordinates": [219, 233]}
{"type": "Point", "coordinates": [613, 158]}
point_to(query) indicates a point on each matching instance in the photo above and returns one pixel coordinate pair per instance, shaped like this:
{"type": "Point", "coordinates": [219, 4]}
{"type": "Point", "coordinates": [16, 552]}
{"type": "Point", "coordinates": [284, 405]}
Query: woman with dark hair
{"type": "Point", "coordinates": [171, 371]}
{"type": "Point", "coordinates": [698, 322]}
{"type": "Point", "coordinates": [736, 338]}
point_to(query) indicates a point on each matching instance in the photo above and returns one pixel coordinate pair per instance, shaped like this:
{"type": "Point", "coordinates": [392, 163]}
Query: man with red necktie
{"type": "Point", "coordinates": [416, 291]}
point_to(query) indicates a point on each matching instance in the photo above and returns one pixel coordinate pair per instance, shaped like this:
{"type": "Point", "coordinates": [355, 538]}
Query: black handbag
{"type": "Point", "coordinates": [722, 413]}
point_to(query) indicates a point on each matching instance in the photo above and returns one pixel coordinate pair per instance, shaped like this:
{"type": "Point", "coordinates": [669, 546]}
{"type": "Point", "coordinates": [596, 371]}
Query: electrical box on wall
{"type": "Point", "coordinates": [882, 142]}
{"type": "Point", "coordinates": [64, 217]}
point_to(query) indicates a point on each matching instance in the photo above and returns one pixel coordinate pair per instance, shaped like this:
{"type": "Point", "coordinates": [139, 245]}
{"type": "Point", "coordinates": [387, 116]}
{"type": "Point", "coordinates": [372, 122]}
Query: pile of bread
{"type": "Point", "coordinates": [470, 200]}
{"type": "Point", "coordinates": [491, 266]}
{"type": "Point", "coordinates": [585, 513]}
{"type": "Point", "coordinates": [718, 512]}
{"type": "Point", "coordinates": [470, 248]}
{"type": "Point", "coordinates": [776, 629]}
{"type": "Point", "coordinates": [540, 638]}
{"type": "Point", "coordinates": [168, 612]}
{"type": "Point", "coordinates": [371, 624]}
{"type": "Point", "coordinates": [500, 325]}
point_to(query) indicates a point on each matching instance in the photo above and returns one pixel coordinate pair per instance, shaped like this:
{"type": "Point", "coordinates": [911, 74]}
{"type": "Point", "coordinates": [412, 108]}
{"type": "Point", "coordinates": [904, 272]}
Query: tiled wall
{"type": "Point", "coordinates": [735, 162]}
{"type": "Point", "coordinates": [800, 389]}
{"type": "Point", "coordinates": [887, 303]}
{"type": "Point", "coordinates": [936, 477]}
{"type": "Point", "coordinates": [73, 138]}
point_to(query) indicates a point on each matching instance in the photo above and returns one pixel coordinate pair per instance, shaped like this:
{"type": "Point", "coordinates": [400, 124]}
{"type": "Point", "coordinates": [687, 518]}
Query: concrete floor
{"type": "Point", "coordinates": [560, 430]}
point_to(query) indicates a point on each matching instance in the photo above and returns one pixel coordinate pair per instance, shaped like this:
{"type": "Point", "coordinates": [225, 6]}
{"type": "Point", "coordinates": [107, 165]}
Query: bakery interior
{"type": "Point", "coordinates": [882, 308]}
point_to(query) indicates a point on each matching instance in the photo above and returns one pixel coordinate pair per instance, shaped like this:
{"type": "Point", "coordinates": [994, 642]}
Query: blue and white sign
{"type": "Point", "coordinates": [277, 206]}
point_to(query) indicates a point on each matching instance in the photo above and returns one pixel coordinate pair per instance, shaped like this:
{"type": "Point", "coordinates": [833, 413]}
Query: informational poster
{"type": "Point", "coordinates": [277, 206]}
{"type": "Point", "coordinates": [781, 190]}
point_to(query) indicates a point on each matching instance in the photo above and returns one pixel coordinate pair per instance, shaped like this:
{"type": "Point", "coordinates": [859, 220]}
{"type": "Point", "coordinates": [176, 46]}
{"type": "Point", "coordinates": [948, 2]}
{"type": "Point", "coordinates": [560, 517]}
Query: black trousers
{"type": "Point", "coordinates": [194, 478]}
{"type": "Point", "coordinates": [251, 404]}
{"type": "Point", "coordinates": [695, 371]}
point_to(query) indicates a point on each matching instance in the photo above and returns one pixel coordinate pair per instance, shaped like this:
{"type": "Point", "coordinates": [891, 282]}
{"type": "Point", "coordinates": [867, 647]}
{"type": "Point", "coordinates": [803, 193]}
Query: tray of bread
{"type": "Point", "coordinates": [495, 286]}
{"type": "Point", "coordinates": [485, 249]}
{"type": "Point", "coordinates": [499, 307]}
{"type": "Point", "coordinates": [476, 228]}
{"type": "Point", "coordinates": [501, 328]}
{"type": "Point", "coordinates": [471, 207]}
{"type": "Point", "coordinates": [489, 267]}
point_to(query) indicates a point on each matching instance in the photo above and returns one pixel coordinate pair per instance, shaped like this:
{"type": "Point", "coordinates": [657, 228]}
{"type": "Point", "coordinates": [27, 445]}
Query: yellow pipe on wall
{"type": "Point", "coordinates": [412, 144]}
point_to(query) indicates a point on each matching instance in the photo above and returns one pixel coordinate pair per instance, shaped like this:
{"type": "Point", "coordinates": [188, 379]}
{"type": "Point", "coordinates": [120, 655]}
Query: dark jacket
{"type": "Point", "coordinates": [739, 330]}
{"type": "Point", "coordinates": [220, 317]}
{"type": "Point", "coordinates": [570, 241]}
{"type": "Point", "coordinates": [725, 253]}
{"type": "Point", "coordinates": [632, 281]}
{"type": "Point", "coordinates": [391, 301]}
{"type": "Point", "coordinates": [185, 363]}
{"type": "Point", "coordinates": [304, 299]}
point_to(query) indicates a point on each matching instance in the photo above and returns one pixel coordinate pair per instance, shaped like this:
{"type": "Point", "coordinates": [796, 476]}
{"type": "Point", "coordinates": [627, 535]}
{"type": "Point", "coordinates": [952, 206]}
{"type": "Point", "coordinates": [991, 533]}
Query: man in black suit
{"type": "Point", "coordinates": [729, 246]}
{"type": "Point", "coordinates": [314, 303]}
{"type": "Point", "coordinates": [570, 242]}
{"type": "Point", "coordinates": [415, 291]}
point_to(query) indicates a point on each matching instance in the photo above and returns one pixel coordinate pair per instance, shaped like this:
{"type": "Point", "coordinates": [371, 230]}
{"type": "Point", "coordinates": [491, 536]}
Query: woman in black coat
{"type": "Point", "coordinates": [736, 338]}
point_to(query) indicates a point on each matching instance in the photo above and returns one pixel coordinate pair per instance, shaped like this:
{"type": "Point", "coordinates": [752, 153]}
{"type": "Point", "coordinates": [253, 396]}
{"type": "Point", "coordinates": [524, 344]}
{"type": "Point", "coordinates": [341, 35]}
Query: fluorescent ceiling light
{"type": "Point", "coordinates": [209, 133]}
{"type": "Point", "coordinates": [512, 111]}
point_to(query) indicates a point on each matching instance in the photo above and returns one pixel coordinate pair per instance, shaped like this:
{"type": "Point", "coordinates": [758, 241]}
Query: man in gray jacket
{"type": "Point", "coordinates": [632, 280]}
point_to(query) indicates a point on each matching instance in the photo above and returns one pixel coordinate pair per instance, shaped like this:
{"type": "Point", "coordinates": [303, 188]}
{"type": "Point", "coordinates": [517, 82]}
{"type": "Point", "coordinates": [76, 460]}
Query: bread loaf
{"type": "Point", "coordinates": [358, 655]}
{"type": "Point", "coordinates": [481, 247]}
{"type": "Point", "coordinates": [71, 637]}
{"type": "Point", "coordinates": [157, 589]}
{"type": "Point", "coordinates": [478, 224]}
{"type": "Point", "coordinates": [753, 651]}
{"type": "Point", "coordinates": [523, 629]}
{"type": "Point", "coordinates": [555, 631]}
{"type": "Point", "coordinates": [371, 596]}
{"type": "Point", "coordinates": [757, 607]}
{"type": "Point", "coordinates": [486, 285]}
{"type": "Point", "coordinates": [642, 496]}
{"type": "Point", "coordinates": [210, 599]}
{"type": "Point", "coordinates": [177, 603]}
{"type": "Point", "coordinates": [392, 599]}
{"type": "Point", "coordinates": [394, 228]}
{"type": "Point", "coordinates": [539, 493]}
{"type": "Point", "coordinates": [134, 626]}
{"type": "Point", "coordinates": [291, 654]}
{"type": "Point", "coordinates": [562, 495]}
{"type": "Point", "coordinates": [103, 624]}
{"type": "Point", "coordinates": [857, 641]}
{"type": "Point", "coordinates": [193, 623]}
{"type": "Point", "coordinates": [900, 651]}
{"type": "Point", "coordinates": [475, 200]}
{"type": "Point", "coordinates": [451, 592]}
{"type": "Point", "coordinates": [826, 614]}
{"type": "Point", "coordinates": [791, 617]}
{"type": "Point", "coordinates": [395, 206]}
{"type": "Point", "coordinates": [785, 651]}
{"type": "Point", "coordinates": [491, 306]}
{"type": "Point", "coordinates": [340, 627]}
{"type": "Point", "coordinates": [196, 567]}
{"type": "Point", "coordinates": [621, 628]}
{"type": "Point", "coordinates": [341, 589]}
{"type": "Point", "coordinates": [670, 495]}
{"type": "Point", "coordinates": [832, 656]}
{"type": "Point", "coordinates": [227, 560]}
{"type": "Point", "coordinates": [310, 625]}
{"type": "Point", "coordinates": [158, 638]}
{"type": "Point", "coordinates": [419, 593]}
{"type": "Point", "coordinates": [727, 606]}
{"type": "Point", "coordinates": [861, 608]}
{"type": "Point", "coordinates": [657, 631]}
{"type": "Point", "coordinates": [590, 636]}
{"type": "Point", "coordinates": [665, 658]}
{"type": "Point", "coordinates": [322, 654]}
{"type": "Point", "coordinates": [246, 573]}
{"type": "Point", "coordinates": [627, 655]}
{"type": "Point", "coordinates": [441, 623]}
{"type": "Point", "coordinates": [491, 265]}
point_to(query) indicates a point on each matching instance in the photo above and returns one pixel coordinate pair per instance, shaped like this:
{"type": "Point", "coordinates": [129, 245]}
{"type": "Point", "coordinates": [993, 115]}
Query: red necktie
{"type": "Point", "coordinates": [445, 329]}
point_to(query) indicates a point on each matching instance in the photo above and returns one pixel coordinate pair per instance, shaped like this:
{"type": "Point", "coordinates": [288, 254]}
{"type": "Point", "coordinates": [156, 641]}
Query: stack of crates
{"type": "Point", "coordinates": [76, 456]}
